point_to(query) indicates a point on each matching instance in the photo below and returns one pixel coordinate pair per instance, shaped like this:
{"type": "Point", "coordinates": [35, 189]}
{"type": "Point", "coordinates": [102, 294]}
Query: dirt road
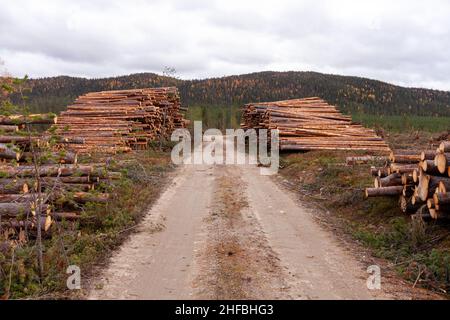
{"type": "Point", "coordinates": [227, 232]}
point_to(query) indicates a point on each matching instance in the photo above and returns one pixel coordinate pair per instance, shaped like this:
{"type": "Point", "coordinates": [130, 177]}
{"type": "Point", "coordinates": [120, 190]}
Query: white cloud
{"type": "Point", "coordinates": [404, 42]}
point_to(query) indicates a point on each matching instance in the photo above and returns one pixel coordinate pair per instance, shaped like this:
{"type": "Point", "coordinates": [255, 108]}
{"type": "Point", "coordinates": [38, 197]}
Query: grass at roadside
{"type": "Point", "coordinates": [416, 250]}
{"type": "Point", "coordinates": [90, 240]}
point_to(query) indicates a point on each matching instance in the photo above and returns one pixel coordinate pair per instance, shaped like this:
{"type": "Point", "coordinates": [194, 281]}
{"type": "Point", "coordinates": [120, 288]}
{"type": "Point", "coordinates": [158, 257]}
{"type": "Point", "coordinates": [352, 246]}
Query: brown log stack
{"type": "Point", "coordinates": [424, 177]}
{"type": "Point", "coordinates": [311, 124]}
{"type": "Point", "coordinates": [121, 120]}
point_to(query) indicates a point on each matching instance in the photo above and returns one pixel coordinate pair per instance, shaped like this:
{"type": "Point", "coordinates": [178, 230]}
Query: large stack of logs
{"type": "Point", "coordinates": [311, 124]}
{"type": "Point", "coordinates": [420, 180]}
{"type": "Point", "coordinates": [121, 120]}
{"type": "Point", "coordinates": [65, 185]}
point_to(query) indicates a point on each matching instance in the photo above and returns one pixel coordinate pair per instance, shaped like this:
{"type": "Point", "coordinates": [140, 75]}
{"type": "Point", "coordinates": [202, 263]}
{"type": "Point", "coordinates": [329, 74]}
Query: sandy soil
{"type": "Point", "coordinates": [227, 232]}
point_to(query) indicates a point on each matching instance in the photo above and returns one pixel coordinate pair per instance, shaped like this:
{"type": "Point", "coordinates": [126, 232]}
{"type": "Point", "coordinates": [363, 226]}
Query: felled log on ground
{"type": "Point", "coordinates": [13, 186]}
{"type": "Point", "coordinates": [444, 147]}
{"type": "Point", "coordinates": [64, 215]}
{"type": "Point", "coordinates": [350, 161]}
{"type": "Point", "coordinates": [13, 209]}
{"type": "Point", "coordinates": [429, 167]}
{"type": "Point", "coordinates": [394, 179]}
{"type": "Point", "coordinates": [428, 185]}
{"type": "Point", "coordinates": [442, 201]}
{"type": "Point", "coordinates": [30, 171]}
{"type": "Point", "coordinates": [47, 118]}
{"type": "Point", "coordinates": [410, 156]}
{"type": "Point", "coordinates": [64, 157]}
{"type": "Point", "coordinates": [9, 153]}
{"type": "Point", "coordinates": [83, 197]}
{"type": "Point", "coordinates": [21, 197]}
{"type": "Point", "coordinates": [384, 191]}
{"type": "Point", "coordinates": [30, 224]}
{"type": "Point", "coordinates": [9, 128]}
{"type": "Point", "coordinates": [407, 206]}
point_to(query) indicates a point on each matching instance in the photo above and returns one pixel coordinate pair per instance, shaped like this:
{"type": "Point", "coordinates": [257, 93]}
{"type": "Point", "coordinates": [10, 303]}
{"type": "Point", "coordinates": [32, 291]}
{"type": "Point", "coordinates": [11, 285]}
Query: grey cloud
{"type": "Point", "coordinates": [405, 42]}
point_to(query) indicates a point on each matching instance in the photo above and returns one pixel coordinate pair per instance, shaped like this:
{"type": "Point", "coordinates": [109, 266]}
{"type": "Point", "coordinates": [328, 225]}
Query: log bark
{"type": "Point", "coordinates": [413, 157]}
{"type": "Point", "coordinates": [374, 171]}
{"type": "Point", "coordinates": [69, 216]}
{"type": "Point", "coordinates": [70, 187]}
{"type": "Point", "coordinates": [82, 170]}
{"type": "Point", "coordinates": [23, 197]}
{"type": "Point", "coordinates": [28, 171]}
{"type": "Point", "coordinates": [18, 209]}
{"type": "Point", "coordinates": [407, 206]}
{"type": "Point", "coordinates": [402, 168]}
{"type": "Point", "coordinates": [429, 167]}
{"type": "Point", "coordinates": [32, 118]}
{"type": "Point", "coordinates": [52, 157]}
{"type": "Point", "coordinates": [407, 179]}
{"type": "Point", "coordinates": [11, 186]}
{"type": "Point", "coordinates": [9, 128]}
{"type": "Point", "coordinates": [428, 185]}
{"type": "Point", "coordinates": [415, 200]}
{"type": "Point", "coordinates": [427, 155]}
{"type": "Point", "coordinates": [350, 161]}
{"type": "Point", "coordinates": [384, 191]}
{"type": "Point", "coordinates": [444, 146]}
{"type": "Point", "coordinates": [8, 152]}
{"type": "Point", "coordinates": [394, 179]}
{"type": "Point", "coordinates": [383, 172]}
{"type": "Point", "coordinates": [30, 224]}
{"type": "Point", "coordinates": [441, 201]}
{"type": "Point", "coordinates": [408, 191]}
{"type": "Point", "coordinates": [443, 187]}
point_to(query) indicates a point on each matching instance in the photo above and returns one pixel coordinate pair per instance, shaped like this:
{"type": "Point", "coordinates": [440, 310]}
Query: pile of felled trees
{"type": "Point", "coordinates": [420, 180]}
{"type": "Point", "coordinates": [120, 120]}
{"type": "Point", "coordinates": [311, 124]}
{"type": "Point", "coordinates": [39, 185]}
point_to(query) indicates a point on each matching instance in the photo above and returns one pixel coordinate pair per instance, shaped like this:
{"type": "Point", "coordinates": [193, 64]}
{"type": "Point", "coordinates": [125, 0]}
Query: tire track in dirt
{"type": "Point", "coordinates": [236, 261]}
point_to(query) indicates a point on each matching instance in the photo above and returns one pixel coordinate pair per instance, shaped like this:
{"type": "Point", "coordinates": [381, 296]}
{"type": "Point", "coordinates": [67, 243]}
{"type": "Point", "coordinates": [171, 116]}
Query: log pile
{"type": "Point", "coordinates": [421, 180]}
{"type": "Point", "coordinates": [311, 124]}
{"type": "Point", "coordinates": [65, 185]}
{"type": "Point", "coordinates": [65, 188]}
{"type": "Point", "coordinates": [121, 120]}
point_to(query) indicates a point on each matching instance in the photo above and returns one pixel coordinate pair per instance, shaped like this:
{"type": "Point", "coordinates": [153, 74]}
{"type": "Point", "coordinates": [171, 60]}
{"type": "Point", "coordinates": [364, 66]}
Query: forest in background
{"type": "Point", "coordinates": [216, 100]}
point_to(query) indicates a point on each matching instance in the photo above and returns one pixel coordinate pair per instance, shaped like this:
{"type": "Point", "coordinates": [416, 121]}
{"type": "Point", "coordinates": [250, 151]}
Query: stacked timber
{"type": "Point", "coordinates": [59, 190]}
{"type": "Point", "coordinates": [41, 185]}
{"type": "Point", "coordinates": [15, 139]}
{"type": "Point", "coordinates": [121, 120]}
{"type": "Point", "coordinates": [311, 124]}
{"type": "Point", "coordinates": [421, 180]}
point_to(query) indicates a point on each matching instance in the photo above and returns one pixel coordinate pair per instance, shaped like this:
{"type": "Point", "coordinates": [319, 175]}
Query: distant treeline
{"type": "Point", "coordinates": [351, 94]}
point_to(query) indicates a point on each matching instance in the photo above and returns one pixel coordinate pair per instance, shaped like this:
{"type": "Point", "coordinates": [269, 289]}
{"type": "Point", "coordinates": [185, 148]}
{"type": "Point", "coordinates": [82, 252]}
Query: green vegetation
{"type": "Point", "coordinates": [219, 117]}
{"type": "Point", "coordinates": [404, 123]}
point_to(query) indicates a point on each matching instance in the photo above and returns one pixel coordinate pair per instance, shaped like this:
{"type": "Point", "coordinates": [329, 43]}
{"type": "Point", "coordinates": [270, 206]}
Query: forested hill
{"type": "Point", "coordinates": [351, 94]}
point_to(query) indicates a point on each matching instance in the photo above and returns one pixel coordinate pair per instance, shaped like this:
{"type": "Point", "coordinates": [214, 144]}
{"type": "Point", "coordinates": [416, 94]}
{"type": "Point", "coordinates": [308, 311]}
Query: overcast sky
{"type": "Point", "coordinates": [403, 42]}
